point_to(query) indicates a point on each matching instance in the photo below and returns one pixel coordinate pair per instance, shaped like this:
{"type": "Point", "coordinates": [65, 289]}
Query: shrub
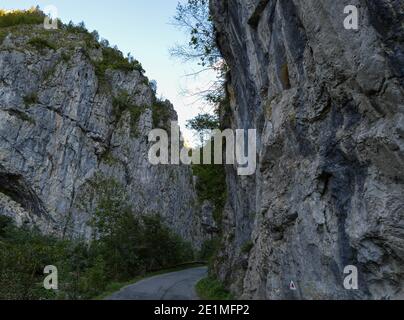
{"type": "Point", "coordinates": [41, 44]}
{"type": "Point", "coordinates": [72, 28]}
{"type": "Point", "coordinates": [161, 115]}
{"type": "Point", "coordinates": [130, 243]}
{"type": "Point", "coordinates": [211, 185]}
{"type": "Point", "coordinates": [113, 59]}
{"type": "Point", "coordinates": [18, 17]}
{"type": "Point", "coordinates": [3, 36]}
{"type": "Point", "coordinates": [209, 249]}
{"type": "Point", "coordinates": [30, 99]}
{"type": "Point", "coordinates": [127, 246]}
{"type": "Point", "coordinates": [122, 103]}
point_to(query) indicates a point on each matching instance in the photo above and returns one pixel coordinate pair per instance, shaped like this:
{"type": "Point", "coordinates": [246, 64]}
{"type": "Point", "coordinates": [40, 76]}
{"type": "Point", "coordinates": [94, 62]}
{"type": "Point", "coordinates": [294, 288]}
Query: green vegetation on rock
{"type": "Point", "coordinates": [161, 115]}
{"type": "Point", "coordinates": [113, 59]}
{"type": "Point", "coordinates": [30, 99]}
{"type": "Point", "coordinates": [211, 186]}
{"type": "Point", "coordinates": [121, 103]}
{"type": "Point", "coordinates": [41, 44]}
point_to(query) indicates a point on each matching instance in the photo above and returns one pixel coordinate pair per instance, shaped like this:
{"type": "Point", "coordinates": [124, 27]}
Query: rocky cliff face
{"type": "Point", "coordinates": [328, 107]}
{"type": "Point", "coordinates": [72, 128]}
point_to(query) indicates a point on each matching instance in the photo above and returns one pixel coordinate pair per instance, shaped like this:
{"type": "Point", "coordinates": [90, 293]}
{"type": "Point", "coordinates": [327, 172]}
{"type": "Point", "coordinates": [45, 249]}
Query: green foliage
{"type": "Point", "coordinates": [113, 59]}
{"type": "Point", "coordinates": [211, 289]}
{"type": "Point", "coordinates": [209, 249]}
{"type": "Point", "coordinates": [41, 44]}
{"type": "Point", "coordinates": [77, 29]}
{"type": "Point", "coordinates": [65, 57]}
{"type": "Point", "coordinates": [246, 247]}
{"type": "Point", "coordinates": [23, 255]}
{"type": "Point", "coordinates": [193, 16]}
{"type": "Point", "coordinates": [121, 104]}
{"type": "Point", "coordinates": [211, 185]}
{"type": "Point", "coordinates": [109, 158]}
{"type": "Point", "coordinates": [30, 99]}
{"type": "Point", "coordinates": [161, 115]}
{"type": "Point", "coordinates": [18, 17]}
{"type": "Point", "coordinates": [125, 246]}
{"type": "Point", "coordinates": [203, 124]}
{"type": "Point", "coordinates": [3, 35]}
{"type": "Point", "coordinates": [132, 244]}
{"type": "Point", "coordinates": [162, 248]}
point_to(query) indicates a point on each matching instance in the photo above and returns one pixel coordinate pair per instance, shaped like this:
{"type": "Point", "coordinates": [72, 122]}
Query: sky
{"type": "Point", "coordinates": [143, 28]}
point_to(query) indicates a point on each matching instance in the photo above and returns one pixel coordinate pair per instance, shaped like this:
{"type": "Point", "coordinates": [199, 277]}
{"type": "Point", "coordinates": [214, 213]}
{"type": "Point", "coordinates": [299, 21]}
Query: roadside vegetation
{"type": "Point", "coordinates": [126, 246]}
{"type": "Point", "coordinates": [211, 289]}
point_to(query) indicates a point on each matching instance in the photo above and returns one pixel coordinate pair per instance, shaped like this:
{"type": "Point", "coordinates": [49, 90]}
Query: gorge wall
{"type": "Point", "coordinates": [328, 106]}
{"type": "Point", "coordinates": [73, 128]}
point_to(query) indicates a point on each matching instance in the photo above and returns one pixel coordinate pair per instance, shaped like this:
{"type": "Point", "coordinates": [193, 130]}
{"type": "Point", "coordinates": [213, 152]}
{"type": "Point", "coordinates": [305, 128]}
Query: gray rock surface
{"type": "Point", "coordinates": [328, 105]}
{"type": "Point", "coordinates": [62, 143]}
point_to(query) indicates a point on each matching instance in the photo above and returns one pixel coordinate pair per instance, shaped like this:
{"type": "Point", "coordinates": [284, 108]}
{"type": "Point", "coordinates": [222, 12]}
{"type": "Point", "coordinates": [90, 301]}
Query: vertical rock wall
{"type": "Point", "coordinates": [64, 139]}
{"type": "Point", "coordinates": [328, 105]}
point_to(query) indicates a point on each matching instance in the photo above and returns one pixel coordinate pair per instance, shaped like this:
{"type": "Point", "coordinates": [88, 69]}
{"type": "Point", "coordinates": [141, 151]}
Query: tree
{"type": "Point", "coordinates": [194, 18]}
{"type": "Point", "coordinates": [203, 124]}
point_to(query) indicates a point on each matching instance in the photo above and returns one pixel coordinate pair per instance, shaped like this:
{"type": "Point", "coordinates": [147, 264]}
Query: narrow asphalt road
{"type": "Point", "coordinates": [178, 285]}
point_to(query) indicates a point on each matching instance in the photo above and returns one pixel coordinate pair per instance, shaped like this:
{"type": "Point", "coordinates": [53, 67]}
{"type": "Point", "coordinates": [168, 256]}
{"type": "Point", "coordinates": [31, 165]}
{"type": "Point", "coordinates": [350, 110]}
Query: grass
{"type": "Point", "coordinates": [211, 289]}
{"type": "Point", "coordinates": [117, 286]}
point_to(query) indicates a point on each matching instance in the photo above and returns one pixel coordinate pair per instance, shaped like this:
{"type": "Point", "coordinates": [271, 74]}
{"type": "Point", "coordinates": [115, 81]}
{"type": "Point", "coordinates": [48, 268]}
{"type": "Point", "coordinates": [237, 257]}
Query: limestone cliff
{"type": "Point", "coordinates": [73, 122]}
{"type": "Point", "coordinates": [328, 105]}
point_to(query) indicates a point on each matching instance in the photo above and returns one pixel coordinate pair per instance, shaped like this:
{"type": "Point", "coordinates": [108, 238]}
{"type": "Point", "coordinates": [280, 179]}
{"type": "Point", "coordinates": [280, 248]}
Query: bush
{"type": "Point", "coordinates": [124, 247]}
{"type": "Point", "coordinates": [209, 249]}
{"type": "Point", "coordinates": [211, 185]}
{"type": "Point", "coordinates": [18, 17]}
{"type": "Point", "coordinates": [161, 115]}
{"type": "Point", "coordinates": [113, 59]}
{"type": "Point", "coordinates": [122, 103]}
{"type": "Point", "coordinates": [41, 44]}
{"type": "Point", "coordinates": [31, 98]}
{"type": "Point", "coordinates": [3, 36]}
{"type": "Point", "coordinates": [23, 255]}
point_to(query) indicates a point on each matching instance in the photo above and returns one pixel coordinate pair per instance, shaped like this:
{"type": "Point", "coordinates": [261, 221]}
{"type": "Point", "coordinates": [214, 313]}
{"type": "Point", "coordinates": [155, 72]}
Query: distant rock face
{"type": "Point", "coordinates": [328, 106]}
{"type": "Point", "coordinates": [62, 140]}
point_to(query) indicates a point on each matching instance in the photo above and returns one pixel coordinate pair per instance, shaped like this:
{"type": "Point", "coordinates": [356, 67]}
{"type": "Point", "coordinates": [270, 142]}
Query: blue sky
{"type": "Point", "coordinates": [143, 28]}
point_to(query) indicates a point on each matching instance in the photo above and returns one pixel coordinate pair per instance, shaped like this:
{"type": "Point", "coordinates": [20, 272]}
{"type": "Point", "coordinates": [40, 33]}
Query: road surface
{"type": "Point", "coordinates": [178, 285]}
